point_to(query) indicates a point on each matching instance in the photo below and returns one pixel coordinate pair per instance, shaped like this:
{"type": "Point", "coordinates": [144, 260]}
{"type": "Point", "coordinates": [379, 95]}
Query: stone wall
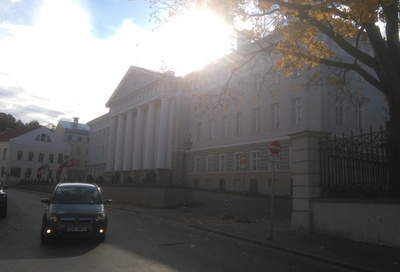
{"type": "Point", "coordinates": [373, 221]}
{"type": "Point", "coordinates": [366, 221]}
{"type": "Point", "coordinates": [147, 196]}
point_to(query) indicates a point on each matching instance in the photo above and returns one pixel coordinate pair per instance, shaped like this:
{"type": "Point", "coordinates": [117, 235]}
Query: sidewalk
{"type": "Point", "coordinates": [219, 213]}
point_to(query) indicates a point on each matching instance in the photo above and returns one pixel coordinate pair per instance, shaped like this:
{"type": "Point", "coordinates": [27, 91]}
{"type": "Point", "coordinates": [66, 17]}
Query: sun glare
{"type": "Point", "coordinates": [194, 39]}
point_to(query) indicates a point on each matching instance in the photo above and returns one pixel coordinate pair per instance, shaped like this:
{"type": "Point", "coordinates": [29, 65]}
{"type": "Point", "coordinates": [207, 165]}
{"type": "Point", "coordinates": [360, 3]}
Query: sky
{"type": "Point", "coordinates": [61, 59]}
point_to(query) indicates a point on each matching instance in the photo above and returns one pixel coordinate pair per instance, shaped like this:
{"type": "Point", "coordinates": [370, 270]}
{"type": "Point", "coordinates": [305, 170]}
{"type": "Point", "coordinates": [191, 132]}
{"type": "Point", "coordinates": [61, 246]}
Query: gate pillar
{"type": "Point", "coordinates": [306, 176]}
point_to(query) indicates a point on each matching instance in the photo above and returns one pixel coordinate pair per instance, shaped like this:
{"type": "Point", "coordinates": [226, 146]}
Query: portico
{"type": "Point", "coordinates": [142, 127]}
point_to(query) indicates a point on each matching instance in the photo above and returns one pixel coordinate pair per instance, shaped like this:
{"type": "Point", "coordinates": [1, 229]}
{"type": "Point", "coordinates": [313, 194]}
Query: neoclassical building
{"type": "Point", "coordinates": [212, 129]}
{"type": "Point", "coordinates": [138, 139]}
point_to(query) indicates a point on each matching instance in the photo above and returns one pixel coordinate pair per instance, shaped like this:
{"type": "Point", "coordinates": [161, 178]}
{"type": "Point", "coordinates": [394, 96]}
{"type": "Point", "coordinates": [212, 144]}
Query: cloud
{"type": "Point", "coordinates": [67, 71]}
{"type": "Point", "coordinates": [58, 63]}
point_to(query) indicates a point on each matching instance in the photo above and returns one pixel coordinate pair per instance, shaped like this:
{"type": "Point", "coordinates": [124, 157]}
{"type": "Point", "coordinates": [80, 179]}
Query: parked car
{"type": "Point", "coordinates": [74, 210]}
{"type": "Point", "coordinates": [3, 200]}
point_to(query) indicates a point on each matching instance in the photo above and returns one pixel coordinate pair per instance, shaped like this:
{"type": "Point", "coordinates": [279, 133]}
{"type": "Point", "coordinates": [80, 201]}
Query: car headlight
{"type": "Point", "coordinates": [51, 217]}
{"type": "Point", "coordinates": [100, 217]}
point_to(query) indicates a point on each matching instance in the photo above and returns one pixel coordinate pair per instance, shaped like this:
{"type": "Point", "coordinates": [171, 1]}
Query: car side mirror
{"type": "Point", "coordinates": [5, 186]}
{"type": "Point", "coordinates": [45, 200]}
{"type": "Point", "coordinates": [107, 201]}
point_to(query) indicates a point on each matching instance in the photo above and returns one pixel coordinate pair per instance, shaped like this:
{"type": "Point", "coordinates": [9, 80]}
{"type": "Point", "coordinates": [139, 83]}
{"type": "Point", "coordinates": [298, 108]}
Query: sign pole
{"type": "Point", "coordinates": [272, 201]}
{"type": "Point", "coordinates": [274, 149]}
{"type": "Point", "coordinates": [243, 162]}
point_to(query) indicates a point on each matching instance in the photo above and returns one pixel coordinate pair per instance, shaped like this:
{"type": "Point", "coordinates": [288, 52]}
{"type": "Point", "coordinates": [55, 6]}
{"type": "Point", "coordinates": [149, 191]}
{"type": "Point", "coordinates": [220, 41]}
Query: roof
{"type": "Point", "coordinates": [74, 125]}
{"type": "Point", "coordinates": [137, 78]}
{"type": "Point", "coordinates": [12, 133]}
{"type": "Point", "coordinates": [76, 184]}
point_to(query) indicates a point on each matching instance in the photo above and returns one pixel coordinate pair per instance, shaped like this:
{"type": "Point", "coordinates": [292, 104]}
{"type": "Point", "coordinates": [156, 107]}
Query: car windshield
{"type": "Point", "coordinates": [76, 195]}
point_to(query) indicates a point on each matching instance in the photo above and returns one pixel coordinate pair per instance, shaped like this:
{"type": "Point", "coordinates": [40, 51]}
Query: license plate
{"type": "Point", "coordinates": [76, 229]}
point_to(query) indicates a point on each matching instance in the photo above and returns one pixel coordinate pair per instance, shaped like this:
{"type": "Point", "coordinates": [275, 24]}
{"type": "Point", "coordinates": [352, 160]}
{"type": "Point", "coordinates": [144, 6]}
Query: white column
{"type": "Point", "coordinates": [138, 139]}
{"type": "Point", "coordinates": [119, 150]}
{"type": "Point", "coordinates": [128, 142]}
{"type": "Point", "coordinates": [111, 144]}
{"type": "Point", "coordinates": [162, 140]}
{"type": "Point", "coordinates": [150, 131]}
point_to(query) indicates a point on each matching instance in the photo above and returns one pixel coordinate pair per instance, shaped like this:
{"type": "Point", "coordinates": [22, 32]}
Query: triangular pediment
{"type": "Point", "coordinates": [135, 80]}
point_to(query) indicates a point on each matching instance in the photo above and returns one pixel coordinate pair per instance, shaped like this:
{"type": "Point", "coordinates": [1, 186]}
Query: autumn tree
{"type": "Point", "coordinates": [7, 121]}
{"type": "Point", "coordinates": [301, 23]}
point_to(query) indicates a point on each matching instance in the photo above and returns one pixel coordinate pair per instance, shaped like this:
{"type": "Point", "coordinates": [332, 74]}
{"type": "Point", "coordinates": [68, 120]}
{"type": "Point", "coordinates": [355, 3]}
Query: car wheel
{"type": "Point", "coordinates": [3, 212]}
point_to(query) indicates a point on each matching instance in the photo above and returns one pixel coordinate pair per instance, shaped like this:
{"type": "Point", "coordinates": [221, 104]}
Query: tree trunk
{"type": "Point", "coordinates": [393, 145]}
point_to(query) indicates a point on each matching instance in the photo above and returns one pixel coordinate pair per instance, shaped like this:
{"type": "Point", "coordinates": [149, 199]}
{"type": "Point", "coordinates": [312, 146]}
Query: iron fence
{"type": "Point", "coordinates": [354, 166]}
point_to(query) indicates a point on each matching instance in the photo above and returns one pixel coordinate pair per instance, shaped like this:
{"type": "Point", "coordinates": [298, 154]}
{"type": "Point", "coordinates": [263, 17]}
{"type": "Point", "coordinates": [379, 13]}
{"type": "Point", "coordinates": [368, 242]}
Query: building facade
{"type": "Point", "coordinates": [213, 128]}
{"type": "Point", "coordinates": [76, 135]}
{"type": "Point", "coordinates": [31, 154]}
{"type": "Point", "coordinates": [98, 147]}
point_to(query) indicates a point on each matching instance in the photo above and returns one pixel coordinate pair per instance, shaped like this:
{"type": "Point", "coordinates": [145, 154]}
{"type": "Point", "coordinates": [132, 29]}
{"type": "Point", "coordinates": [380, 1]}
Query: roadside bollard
{"type": "Point", "coordinates": [226, 215]}
{"type": "Point", "coordinates": [184, 208]}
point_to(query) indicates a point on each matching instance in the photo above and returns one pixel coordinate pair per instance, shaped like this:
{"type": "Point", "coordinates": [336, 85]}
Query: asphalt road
{"type": "Point", "coordinates": [134, 242]}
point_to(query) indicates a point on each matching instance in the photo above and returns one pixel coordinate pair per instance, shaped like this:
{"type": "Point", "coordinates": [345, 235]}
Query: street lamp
{"type": "Point", "coordinates": [187, 146]}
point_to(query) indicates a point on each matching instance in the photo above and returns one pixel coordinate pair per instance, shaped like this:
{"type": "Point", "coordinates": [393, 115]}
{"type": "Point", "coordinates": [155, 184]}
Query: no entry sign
{"type": "Point", "coordinates": [275, 147]}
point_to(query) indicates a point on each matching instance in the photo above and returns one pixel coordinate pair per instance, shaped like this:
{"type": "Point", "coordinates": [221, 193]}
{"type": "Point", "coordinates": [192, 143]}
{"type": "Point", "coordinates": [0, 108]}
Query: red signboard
{"type": "Point", "coordinates": [275, 147]}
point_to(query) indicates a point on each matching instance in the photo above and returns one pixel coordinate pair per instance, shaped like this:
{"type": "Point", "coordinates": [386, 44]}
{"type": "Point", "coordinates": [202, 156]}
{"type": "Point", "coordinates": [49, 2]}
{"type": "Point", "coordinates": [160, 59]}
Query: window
{"type": "Point", "coordinates": [239, 120]}
{"type": "Point", "coordinates": [69, 137]}
{"type": "Point", "coordinates": [256, 120]}
{"type": "Point", "coordinates": [51, 158]}
{"type": "Point", "coordinates": [79, 138]}
{"type": "Point", "coordinates": [297, 111]}
{"type": "Point", "coordinates": [41, 157]}
{"type": "Point", "coordinates": [275, 115]}
{"type": "Point", "coordinates": [209, 163]}
{"type": "Point", "coordinates": [15, 172]}
{"type": "Point", "coordinates": [236, 161]}
{"type": "Point", "coordinates": [221, 184]}
{"type": "Point", "coordinates": [4, 153]}
{"type": "Point", "coordinates": [43, 138]}
{"type": "Point", "coordinates": [20, 155]}
{"type": "Point", "coordinates": [359, 115]}
{"type": "Point", "coordinates": [60, 158]}
{"type": "Point", "coordinates": [28, 172]}
{"type": "Point", "coordinates": [30, 156]}
{"type": "Point", "coordinates": [78, 150]}
{"type": "Point", "coordinates": [199, 124]}
{"type": "Point", "coordinates": [222, 162]}
{"type": "Point", "coordinates": [339, 112]}
{"type": "Point", "coordinates": [254, 160]}
{"type": "Point", "coordinates": [224, 126]}
{"type": "Point", "coordinates": [211, 128]}
{"type": "Point", "coordinates": [197, 164]}
{"type": "Point", "coordinates": [385, 116]}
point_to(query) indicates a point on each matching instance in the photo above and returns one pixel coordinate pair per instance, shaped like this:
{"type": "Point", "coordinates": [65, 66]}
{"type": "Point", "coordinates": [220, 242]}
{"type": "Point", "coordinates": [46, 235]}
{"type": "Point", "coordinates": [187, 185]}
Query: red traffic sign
{"type": "Point", "coordinates": [275, 147]}
{"type": "Point", "coordinates": [243, 159]}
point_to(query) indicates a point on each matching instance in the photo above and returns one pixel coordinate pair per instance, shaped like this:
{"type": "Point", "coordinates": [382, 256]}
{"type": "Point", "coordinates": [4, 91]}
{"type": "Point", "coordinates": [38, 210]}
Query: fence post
{"type": "Point", "coordinates": [306, 176]}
